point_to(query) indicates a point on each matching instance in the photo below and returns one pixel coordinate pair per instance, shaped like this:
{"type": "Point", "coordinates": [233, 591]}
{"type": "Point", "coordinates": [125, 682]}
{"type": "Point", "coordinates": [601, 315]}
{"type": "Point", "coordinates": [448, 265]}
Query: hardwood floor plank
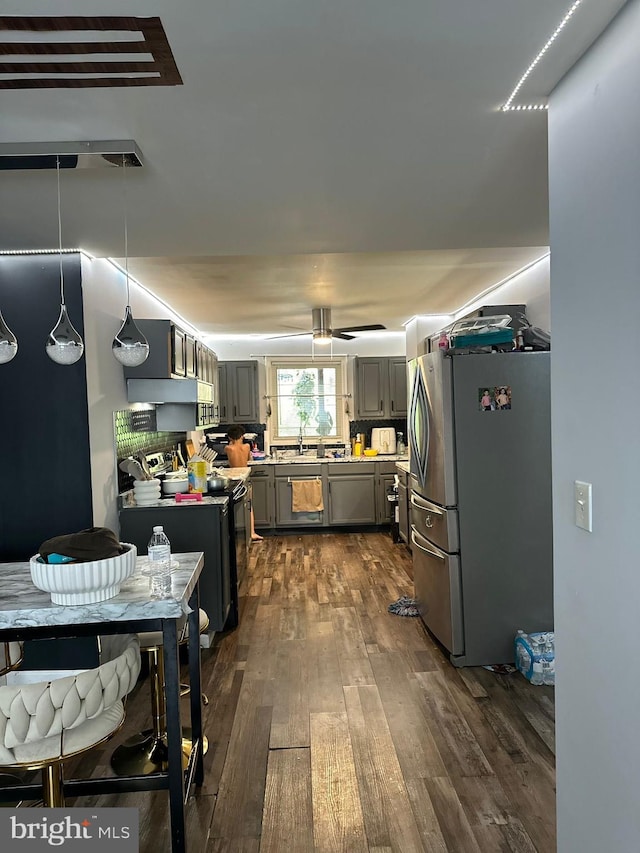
{"type": "Point", "coordinates": [415, 747]}
{"type": "Point", "coordinates": [425, 817]}
{"type": "Point", "coordinates": [287, 822]}
{"type": "Point", "coordinates": [460, 751]}
{"type": "Point", "coordinates": [492, 817]}
{"type": "Point", "coordinates": [238, 810]}
{"type": "Point", "coordinates": [349, 640]}
{"type": "Point", "coordinates": [386, 806]}
{"type": "Point", "coordinates": [338, 823]}
{"type": "Point", "coordinates": [234, 845]}
{"type": "Point", "coordinates": [290, 718]}
{"type": "Point", "coordinates": [324, 673]}
{"type": "Point", "coordinates": [451, 816]}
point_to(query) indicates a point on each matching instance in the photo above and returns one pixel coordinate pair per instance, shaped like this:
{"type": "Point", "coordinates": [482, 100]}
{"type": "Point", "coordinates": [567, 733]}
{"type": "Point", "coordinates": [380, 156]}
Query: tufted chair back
{"type": "Point", "coordinates": [10, 656]}
{"type": "Point", "coordinates": [49, 720]}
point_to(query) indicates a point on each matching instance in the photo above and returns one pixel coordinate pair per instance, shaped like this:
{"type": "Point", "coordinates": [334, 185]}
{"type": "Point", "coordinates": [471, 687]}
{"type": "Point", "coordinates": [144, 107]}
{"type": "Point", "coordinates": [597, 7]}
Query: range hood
{"type": "Point", "coordinates": [169, 391]}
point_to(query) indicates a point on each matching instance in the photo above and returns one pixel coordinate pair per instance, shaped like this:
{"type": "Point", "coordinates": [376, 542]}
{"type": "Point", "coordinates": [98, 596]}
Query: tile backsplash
{"type": "Point", "coordinates": [135, 432]}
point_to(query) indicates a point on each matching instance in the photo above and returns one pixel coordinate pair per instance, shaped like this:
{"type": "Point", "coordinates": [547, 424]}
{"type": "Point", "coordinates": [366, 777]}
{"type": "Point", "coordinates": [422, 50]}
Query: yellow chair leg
{"type": "Point", "coordinates": [52, 793]}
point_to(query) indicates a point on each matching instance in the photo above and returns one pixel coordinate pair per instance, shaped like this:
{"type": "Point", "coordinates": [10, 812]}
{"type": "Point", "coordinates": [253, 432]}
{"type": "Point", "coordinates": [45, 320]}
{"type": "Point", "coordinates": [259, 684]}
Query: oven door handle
{"type": "Point", "coordinates": [239, 493]}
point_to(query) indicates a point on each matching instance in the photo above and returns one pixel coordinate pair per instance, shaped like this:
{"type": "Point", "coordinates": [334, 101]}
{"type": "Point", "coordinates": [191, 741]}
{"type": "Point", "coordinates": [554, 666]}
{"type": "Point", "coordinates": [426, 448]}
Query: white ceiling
{"type": "Point", "coordinates": [348, 153]}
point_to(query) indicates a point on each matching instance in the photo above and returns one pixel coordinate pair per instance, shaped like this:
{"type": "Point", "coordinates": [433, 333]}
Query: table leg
{"type": "Point", "coordinates": [195, 683]}
{"type": "Point", "coordinates": [174, 735]}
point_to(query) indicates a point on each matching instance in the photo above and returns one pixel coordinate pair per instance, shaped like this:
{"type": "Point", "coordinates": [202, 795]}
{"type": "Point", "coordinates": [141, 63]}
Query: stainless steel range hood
{"type": "Point", "coordinates": [169, 391]}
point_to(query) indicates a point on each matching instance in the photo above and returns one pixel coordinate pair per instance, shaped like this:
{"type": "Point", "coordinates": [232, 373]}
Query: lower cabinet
{"type": "Point", "coordinates": [352, 494]}
{"type": "Point", "coordinates": [385, 474]}
{"type": "Point", "coordinates": [263, 495]}
{"type": "Point", "coordinates": [190, 528]}
{"type": "Point", "coordinates": [285, 476]}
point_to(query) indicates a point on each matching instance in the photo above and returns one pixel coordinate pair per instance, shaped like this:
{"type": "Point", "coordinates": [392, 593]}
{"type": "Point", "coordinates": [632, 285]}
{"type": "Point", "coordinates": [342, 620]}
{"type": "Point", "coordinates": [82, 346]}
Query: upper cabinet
{"type": "Point", "coordinates": [180, 375]}
{"type": "Point", "coordinates": [381, 388]}
{"type": "Point", "coordinates": [173, 354]}
{"type": "Point", "coordinates": [238, 387]}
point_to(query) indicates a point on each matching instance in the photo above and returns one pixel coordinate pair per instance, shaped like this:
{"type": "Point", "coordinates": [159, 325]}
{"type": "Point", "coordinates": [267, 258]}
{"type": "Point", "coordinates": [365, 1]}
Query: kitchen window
{"type": "Point", "coordinates": [306, 398]}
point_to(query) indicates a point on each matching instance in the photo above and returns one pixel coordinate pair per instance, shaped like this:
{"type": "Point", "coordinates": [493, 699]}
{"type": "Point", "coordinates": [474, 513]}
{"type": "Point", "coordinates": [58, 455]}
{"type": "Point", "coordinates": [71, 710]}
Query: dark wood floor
{"type": "Point", "coordinates": [336, 726]}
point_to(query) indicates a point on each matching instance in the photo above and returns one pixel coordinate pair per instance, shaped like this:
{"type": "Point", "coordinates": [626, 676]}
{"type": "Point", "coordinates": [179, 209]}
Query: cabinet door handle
{"type": "Point", "coordinates": [235, 411]}
{"type": "Point", "coordinates": [393, 406]}
{"type": "Point", "coordinates": [382, 405]}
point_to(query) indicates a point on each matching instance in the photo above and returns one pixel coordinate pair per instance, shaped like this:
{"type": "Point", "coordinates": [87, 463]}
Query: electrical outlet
{"type": "Point", "coordinates": [582, 501]}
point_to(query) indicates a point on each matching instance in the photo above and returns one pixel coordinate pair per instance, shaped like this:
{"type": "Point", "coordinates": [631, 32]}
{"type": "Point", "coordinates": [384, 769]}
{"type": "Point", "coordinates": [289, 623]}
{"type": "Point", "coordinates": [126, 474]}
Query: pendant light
{"type": "Point", "coordinates": [64, 345]}
{"type": "Point", "coordinates": [8, 342]}
{"type": "Point", "coordinates": [130, 347]}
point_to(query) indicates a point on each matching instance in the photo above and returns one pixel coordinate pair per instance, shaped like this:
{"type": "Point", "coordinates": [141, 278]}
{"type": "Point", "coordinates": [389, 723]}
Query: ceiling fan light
{"type": "Point", "coordinates": [322, 337]}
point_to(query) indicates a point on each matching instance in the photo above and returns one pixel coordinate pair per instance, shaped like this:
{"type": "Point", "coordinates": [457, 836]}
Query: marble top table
{"type": "Point", "coordinates": [23, 605]}
{"type": "Point", "coordinates": [27, 612]}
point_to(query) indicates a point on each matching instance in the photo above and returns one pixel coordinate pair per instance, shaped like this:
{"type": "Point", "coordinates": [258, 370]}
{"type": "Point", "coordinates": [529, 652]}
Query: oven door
{"type": "Point", "coordinates": [241, 523]}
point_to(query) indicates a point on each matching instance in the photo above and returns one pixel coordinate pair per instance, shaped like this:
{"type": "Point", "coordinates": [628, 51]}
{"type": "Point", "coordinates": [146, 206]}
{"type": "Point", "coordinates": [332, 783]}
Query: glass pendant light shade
{"type": "Point", "coordinates": [64, 345]}
{"type": "Point", "coordinates": [8, 342]}
{"type": "Point", "coordinates": [130, 346]}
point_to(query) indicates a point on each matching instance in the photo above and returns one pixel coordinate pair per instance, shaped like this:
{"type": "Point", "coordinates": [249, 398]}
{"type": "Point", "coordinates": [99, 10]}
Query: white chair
{"type": "Point", "coordinates": [10, 657]}
{"type": "Point", "coordinates": [43, 724]}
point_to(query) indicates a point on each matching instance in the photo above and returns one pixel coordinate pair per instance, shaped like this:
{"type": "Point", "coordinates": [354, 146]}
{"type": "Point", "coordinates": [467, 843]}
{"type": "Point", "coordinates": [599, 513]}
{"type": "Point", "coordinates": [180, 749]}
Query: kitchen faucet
{"type": "Point", "coordinates": [300, 440]}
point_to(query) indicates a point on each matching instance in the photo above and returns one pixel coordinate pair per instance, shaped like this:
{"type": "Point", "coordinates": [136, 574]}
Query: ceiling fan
{"type": "Point", "coordinates": [323, 332]}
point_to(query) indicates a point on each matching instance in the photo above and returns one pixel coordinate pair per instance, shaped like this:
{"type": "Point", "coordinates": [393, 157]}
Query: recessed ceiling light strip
{"type": "Point", "coordinates": [509, 106]}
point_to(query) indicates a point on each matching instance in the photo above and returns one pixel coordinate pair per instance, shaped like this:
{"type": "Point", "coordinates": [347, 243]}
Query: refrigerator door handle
{"type": "Point", "coordinates": [422, 504]}
{"type": "Point", "coordinates": [423, 547]}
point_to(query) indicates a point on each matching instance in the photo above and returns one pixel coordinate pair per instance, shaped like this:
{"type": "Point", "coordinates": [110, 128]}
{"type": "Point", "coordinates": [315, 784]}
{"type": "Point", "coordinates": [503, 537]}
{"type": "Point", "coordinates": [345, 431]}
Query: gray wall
{"type": "Point", "coordinates": [594, 161]}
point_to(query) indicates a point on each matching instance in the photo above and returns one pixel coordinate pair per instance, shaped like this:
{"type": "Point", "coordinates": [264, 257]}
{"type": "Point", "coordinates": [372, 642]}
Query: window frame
{"type": "Point", "coordinates": [275, 363]}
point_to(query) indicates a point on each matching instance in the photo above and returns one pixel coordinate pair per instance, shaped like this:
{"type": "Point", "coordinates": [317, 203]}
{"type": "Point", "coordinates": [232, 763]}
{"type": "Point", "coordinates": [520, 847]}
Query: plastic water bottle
{"type": "Point", "coordinates": [548, 662]}
{"type": "Point", "coordinates": [537, 675]}
{"type": "Point", "coordinates": [159, 552]}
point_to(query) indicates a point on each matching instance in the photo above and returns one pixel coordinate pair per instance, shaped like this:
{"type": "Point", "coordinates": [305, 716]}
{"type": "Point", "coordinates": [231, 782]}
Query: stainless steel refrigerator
{"type": "Point", "coordinates": [481, 532]}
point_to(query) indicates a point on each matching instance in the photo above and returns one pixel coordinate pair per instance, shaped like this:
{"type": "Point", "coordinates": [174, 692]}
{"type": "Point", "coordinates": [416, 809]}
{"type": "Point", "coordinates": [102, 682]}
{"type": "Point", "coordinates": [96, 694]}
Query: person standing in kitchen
{"type": "Point", "coordinates": [238, 454]}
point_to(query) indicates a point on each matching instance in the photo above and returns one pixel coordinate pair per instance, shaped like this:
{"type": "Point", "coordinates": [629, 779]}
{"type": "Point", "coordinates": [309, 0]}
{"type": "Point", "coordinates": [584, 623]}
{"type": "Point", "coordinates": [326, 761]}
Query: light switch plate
{"type": "Point", "coordinates": [582, 501]}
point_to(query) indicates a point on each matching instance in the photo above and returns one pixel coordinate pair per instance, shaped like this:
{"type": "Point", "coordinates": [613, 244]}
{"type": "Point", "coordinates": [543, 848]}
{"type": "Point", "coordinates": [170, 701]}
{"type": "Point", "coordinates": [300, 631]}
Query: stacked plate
{"type": "Point", "coordinates": [146, 492]}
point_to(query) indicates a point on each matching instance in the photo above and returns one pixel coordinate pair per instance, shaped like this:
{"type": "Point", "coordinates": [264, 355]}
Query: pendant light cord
{"type": "Point", "coordinates": [126, 229]}
{"type": "Point", "coordinates": [60, 231]}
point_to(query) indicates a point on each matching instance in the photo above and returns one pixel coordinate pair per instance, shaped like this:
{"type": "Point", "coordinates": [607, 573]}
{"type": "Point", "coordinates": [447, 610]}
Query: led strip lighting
{"type": "Point", "coordinates": [509, 105]}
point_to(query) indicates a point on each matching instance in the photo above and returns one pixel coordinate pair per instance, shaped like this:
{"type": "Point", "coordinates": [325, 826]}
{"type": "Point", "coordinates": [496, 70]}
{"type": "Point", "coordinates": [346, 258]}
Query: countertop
{"type": "Point", "coordinates": [403, 465]}
{"type": "Point", "coordinates": [23, 605]}
{"type": "Point", "coordinates": [312, 460]}
{"type": "Point", "coordinates": [127, 501]}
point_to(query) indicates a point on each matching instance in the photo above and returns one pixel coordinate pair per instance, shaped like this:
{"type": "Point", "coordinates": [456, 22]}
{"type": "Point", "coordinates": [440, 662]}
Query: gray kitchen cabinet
{"type": "Point", "coordinates": [352, 494]}
{"type": "Point", "coordinates": [263, 495]}
{"type": "Point", "coordinates": [190, 527]}
{"type": "Point", "coordinates": [371, 375]}
{"type": "Point", "coordinates": [398, 387]}
{"type": "Point", "coordinates": [172, 354]}
{"type": "Point", "coordinates": [385, 473]}
{"type": "Point", "coordinates": [238, 388]}
{"type": "Point", "coordinates": [284, 475]}
{"type": "Point", "coordinates": [381, 388]}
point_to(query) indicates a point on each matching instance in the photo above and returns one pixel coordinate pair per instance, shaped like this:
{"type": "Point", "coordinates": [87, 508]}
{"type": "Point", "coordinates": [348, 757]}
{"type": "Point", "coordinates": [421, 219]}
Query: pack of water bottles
{"type": "Point", "coordinates": [535, 656]}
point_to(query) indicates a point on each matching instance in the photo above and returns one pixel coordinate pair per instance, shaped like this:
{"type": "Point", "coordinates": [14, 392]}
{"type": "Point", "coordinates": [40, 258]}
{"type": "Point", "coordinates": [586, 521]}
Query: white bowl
{"type": "Point", "coordinates": [84, 583]}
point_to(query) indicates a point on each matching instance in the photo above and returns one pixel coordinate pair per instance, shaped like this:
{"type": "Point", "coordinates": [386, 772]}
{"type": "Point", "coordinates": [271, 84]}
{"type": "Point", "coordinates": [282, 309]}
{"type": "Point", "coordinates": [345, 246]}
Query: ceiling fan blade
{"type": "Point", "coordinates": [337, 333]}
{"type": "Point", "coordinates": [373, 327]}
{"type": "Point", "coordinates": [292, 335]}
